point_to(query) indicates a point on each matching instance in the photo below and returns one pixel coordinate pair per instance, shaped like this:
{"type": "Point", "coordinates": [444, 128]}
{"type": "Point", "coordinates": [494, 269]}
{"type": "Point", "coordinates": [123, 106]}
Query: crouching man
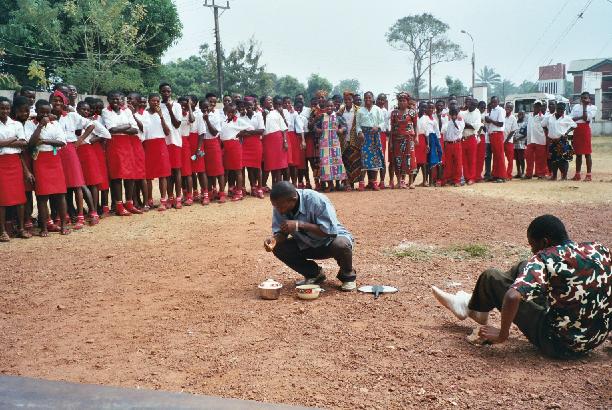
{"type": "Point", "coordinates": [305, 227]}
{"type": "Point", "coordinates": [561, 298]}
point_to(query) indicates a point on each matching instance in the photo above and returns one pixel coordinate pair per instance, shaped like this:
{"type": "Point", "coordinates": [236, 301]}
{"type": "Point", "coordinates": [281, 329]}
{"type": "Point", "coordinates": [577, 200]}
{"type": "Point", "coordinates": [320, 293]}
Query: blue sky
{"type": "Point", "coordinates": [346, 39]}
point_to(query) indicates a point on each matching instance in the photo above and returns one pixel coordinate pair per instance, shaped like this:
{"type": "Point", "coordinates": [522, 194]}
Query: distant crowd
{"type": "Point", "coordinates": [72, 155]}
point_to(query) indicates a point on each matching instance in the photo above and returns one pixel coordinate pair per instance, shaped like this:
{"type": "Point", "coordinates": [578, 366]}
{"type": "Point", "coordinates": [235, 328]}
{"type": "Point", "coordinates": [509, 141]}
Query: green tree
{"type": "Point", "coordinates": [438, 91]}
{"type": "Point", "coordinates": [503, 88]}
{"type": "Point", "coordinates": [86, 41]}
{"type": "Point", "coordinates": [455, 86]}
{"type": "Point", "coordinates": [527, 87]}
{"type": "Point", "coordinates": [409, 86]}
{"type": "Point", "coordinates": [351, 84]}
{"type": "Point", "coordinates": [242, 71]}
{"type": "Point", "coordinates": [288, 86]}
{"type": "Point", "coordinates": [193, 75]}
{"type": "Point", "coordinates": [421, 36]}
{"type": "Point", "coordinates": [316, 83]}
{"type": "Point", "coordinates": [487, 76]}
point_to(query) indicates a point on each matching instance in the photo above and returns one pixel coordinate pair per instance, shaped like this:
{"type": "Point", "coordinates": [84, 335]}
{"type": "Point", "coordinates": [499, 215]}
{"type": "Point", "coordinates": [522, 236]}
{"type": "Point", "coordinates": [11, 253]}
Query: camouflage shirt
{"type": "Point", "coordinates": [576, 282]}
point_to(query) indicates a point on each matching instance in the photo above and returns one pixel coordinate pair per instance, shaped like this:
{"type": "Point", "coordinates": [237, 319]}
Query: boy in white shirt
{"type": "Point", "coordinates": [453, 154]}
{"type": "Point", "coordinates": [495, 128]}
{"type": "Point", "coordinates": [510, 127]}
{"type": "Point", "coordinates": [535, 153]}
{"type": "Point", "coordinates": [469, 145]}
{"type": "Point", "coordinates": [583, 114]}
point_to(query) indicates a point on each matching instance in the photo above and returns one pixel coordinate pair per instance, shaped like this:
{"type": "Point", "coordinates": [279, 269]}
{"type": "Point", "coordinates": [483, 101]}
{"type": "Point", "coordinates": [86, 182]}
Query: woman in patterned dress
{"type": "Point", "coordinates": [369, 122]}
{"type": "Point", "coordinates": [328, 127]}
{"type": "Point", "coordinates": [403, 125]}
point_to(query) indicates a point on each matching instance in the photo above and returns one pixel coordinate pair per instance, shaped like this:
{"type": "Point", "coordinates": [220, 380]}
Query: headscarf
{"type": "Point", "coordinates": [348, 93]}
{"type": "Point", "coordinates": [321, 93]}
{"type": "Point", "coordinates": [58, 93]}
{"type": "Point", "coordinates": [403, 94]}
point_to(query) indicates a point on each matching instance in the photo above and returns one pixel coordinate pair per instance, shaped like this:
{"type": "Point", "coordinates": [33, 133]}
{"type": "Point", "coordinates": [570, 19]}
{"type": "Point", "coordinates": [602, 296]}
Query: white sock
{"type": "Point", "coordinates": [458, 305]}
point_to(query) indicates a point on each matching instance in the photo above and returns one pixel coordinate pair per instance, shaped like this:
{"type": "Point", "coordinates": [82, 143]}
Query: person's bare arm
{"type": "Point", "coordinates": [512, 300]}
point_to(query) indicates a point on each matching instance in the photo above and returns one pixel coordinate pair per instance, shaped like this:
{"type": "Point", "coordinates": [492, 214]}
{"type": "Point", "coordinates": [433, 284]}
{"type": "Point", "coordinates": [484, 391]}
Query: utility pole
{"type": "Point", "coordinates": [216, 8]}
{"type": "Point", "coordinates": [430, 40]}
{"type": "Point", "coordinates": [473, 60]}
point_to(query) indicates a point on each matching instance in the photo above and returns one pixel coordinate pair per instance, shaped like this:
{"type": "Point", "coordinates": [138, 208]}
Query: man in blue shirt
{"type": "Point", "coordinates": [305, 227]}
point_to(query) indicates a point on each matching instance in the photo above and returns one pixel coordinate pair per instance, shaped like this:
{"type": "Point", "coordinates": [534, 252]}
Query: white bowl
{"type": "Point", "coordinates": [308, 291]}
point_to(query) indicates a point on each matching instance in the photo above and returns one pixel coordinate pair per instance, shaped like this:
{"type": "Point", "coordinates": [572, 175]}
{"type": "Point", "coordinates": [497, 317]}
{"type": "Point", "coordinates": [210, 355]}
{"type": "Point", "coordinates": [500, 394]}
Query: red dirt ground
{"type": "Point", "coordinates": [168, 301]}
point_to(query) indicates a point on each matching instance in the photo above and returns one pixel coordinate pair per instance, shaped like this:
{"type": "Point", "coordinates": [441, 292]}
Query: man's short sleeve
{"type": "Point", "coordinates": [276, 221]}
{"type": "Point", "coordinates": [325, 217]}
{"type": "Point", "coordinates": [533, 280]}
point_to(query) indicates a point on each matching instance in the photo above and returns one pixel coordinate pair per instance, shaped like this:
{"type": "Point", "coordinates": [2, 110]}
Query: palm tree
{"type": "Point", "coordinates": [488, 76]}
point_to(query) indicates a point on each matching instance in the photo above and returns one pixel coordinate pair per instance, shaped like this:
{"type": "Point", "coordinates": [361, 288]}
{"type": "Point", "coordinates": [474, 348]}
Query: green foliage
{"type": "Point", "coordinates": [101, 36]}
{"type": "Point", "coordinates": [409, 86]}
{"type": "Point", "coordinates": [527, 87]}
{"type": "Point", "coordinates": [487, 76]}
{"type": "Point", "coordinates": [8, 82]}
{"type": "Point", "coordinates": [422, 35]}
{"type": "Point", "coordinates": [504, 88]}
{"type": "Point", "coordinates": [351, 84]}
{"type": "Point", "coordinates": [37, 73]}
{"type": "Point", "coordinates": [288, 86]}
{"type": "Point", "coordinates": [316, 83]}
{"type": "Point", "coordinates": [455, 86]}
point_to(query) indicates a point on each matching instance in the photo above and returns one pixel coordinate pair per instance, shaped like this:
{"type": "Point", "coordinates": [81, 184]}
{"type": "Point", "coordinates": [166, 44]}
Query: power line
{"type": "Point", "coordinates": [565, 32]}
{"type": "Point", "coordinates": [535, 44]}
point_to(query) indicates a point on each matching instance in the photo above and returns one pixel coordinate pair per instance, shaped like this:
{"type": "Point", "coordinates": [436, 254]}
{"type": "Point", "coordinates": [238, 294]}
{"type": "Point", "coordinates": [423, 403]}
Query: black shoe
{"type": "Point", "coordinates": [320, 278]}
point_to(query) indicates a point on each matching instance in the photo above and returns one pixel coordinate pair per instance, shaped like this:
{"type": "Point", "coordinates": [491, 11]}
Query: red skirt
{"type": "Point", "coordinates": [291, 140]}
{"type": "Point", "coordinates": [274, 154]}
{"type": "Point", "coordinates": [383, 143]}
{"type": "Point", "coordinates": [310, 146]}
{"type": "Point", "coordinates": [89, 164]}
{"type": "Point", "coordinates": [120, 157]}
{"type": "Point", "coordinates": [12, 188]}
{"type": "Point", "coordinates": [297, 153]}
{"type": "Point", "coordinates": [49, 174]}
{"type": "Point", "coordinates": [198, 165]}
{"type": "Point", "coordinates": [232, 155]}
{"type": "Point", "coordinates": [420, 150]}
{"type": "Point", "coordinates": [582, 139]}
{"type": "Point", "coordinates": [157, 159]}
{"type": "Point", "coordinates": [139, 159]}
{"type": "Point", "coordinates": [214, 157]}
{"type": "Point", "coordinates": [72, 166]}
{"type": "Point", "coordinates": [28, 160]}
{"type": "Point", "coordinates": [99, 150]}
{"type": "Point", "coordinates": [186, 157]}
{"type": "Point", "coordinates": [252, 151]}
{"type": "Point", "coordinates": [176, 156]}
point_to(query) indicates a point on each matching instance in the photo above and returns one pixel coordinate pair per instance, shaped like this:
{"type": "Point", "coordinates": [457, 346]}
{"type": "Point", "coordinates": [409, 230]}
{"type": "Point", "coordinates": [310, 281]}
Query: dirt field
{"type": "Point", "coordinates": [168, 301]}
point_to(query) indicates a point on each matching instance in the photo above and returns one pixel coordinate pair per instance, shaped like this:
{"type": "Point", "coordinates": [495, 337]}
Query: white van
{"type": "Point", "coordinates": [524, 102]}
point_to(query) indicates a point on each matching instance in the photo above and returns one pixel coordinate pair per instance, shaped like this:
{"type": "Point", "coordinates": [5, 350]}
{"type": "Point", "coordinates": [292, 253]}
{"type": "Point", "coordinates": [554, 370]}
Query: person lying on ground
{"type": "Point", "coordinates": [305, 227]}
{"type": "Point", "coordinates": [561, 298]}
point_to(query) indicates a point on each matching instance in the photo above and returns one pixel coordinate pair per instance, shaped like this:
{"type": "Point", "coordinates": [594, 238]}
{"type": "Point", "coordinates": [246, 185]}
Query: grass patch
{"type": "Point", "coordinates": [419, 252]}
{"type": "Point", "coordinates": [473, 250]}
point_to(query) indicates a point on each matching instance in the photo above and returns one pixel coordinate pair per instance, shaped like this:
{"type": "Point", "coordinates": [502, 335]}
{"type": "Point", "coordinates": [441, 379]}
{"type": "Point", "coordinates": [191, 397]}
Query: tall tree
{"type": "Point", "coordinates": [316, 83]}
{"type": "Point", "coordinates": [351, 84]}
{"type": "Point", "coordinates": [487, 76]}
{"type": "Point", "coordinates": [71, 39]}
{"type": "Point", "coordinates": [288, 86]}
{"type": "Point", "coordinates": [421, 36]}
{"type": "Point", "coordinates": [243, 72]}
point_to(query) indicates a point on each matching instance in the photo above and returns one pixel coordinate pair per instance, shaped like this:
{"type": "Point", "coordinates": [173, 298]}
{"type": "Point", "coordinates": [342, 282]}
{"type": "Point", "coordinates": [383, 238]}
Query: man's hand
{"type": "Point", "coordinates": [492, 334]}
{"type": "Point", "coordinates": [289, 227]}
{"type": "Point", "coordinates": [269, 244]}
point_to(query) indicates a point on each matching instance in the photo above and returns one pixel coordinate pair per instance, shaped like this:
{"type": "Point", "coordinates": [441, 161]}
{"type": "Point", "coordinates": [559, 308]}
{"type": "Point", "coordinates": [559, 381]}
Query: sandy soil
{"type": "Point", "coordinates": [168, 301]}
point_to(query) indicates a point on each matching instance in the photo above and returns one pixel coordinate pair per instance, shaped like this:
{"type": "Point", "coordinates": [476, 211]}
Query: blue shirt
{"type": "Point", "coordinates": [314, 208]}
